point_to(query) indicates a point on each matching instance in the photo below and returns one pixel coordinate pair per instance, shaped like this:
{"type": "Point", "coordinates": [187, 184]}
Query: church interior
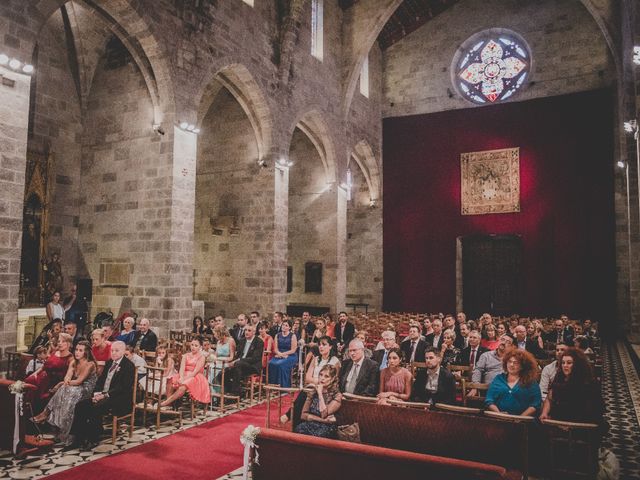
{"type": "Point", "coordinates": [358, 234]}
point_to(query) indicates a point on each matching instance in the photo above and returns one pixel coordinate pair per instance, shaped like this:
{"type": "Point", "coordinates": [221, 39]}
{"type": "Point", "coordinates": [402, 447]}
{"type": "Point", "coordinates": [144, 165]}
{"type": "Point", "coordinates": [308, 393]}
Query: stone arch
{"type": "Point", "coordinates": [136, 34]}
{"type": "Point", "coordinates": [368, 18]}
{"type": "Point", "coordinates": [314, 126]}
{"type": "Point", "coordinates": [363, 155]}
{"type": "Point", "coordinates": [239, 81]}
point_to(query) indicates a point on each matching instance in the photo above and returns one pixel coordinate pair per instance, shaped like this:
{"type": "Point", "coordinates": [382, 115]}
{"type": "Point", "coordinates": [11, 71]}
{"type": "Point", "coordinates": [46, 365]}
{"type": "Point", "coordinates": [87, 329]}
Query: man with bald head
{"type": "Point", "coordinates": [112, 394]}
{"type": "Point", "coordinates": [359, 375]}
{"type": "Point", "coordinates": [145, 338]}
{"type": "Point", "coordinates": [525, 343]}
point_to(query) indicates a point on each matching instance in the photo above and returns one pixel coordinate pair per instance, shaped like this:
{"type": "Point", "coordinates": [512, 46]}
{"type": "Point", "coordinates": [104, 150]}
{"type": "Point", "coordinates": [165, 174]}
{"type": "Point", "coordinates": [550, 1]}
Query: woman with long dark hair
{"type": "Point", "coordinates": [77, 385]}
{"type": "Point", "coordinates": [574, 395]}
{"type": "Point", "coordinates": [198, 325]}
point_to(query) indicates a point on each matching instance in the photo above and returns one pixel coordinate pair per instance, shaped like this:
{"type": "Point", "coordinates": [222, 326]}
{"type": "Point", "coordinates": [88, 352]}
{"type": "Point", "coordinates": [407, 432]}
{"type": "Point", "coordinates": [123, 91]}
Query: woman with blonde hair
{"type": "Point", "coordinates": [318, 414]}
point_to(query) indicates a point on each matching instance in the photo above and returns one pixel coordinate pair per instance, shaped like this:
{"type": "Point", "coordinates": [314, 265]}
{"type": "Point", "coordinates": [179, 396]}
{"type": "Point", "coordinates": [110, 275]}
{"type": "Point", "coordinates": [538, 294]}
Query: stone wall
{"type": "Point", "coordinates": [568, 49]}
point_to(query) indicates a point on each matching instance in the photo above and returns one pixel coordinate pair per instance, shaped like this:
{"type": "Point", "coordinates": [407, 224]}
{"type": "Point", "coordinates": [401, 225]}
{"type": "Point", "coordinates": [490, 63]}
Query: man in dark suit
{"type": "Point", "coordinates": [344, 331]}
{"type": "Point", "coordinates": [237, 331]}
{"type": "Point", "coordinates": [529, 344]}
{"type": "Point", "coordinates": [145, 338]}
{"type": "Point", "coordinates": [559, 334]}
{"type": "Point", "coordinates": [359, 375]}
{"type": "Point", "coordinates": [462, 336]}
{"type": "Point", "coordinates": [247, 362]}
{"type": "Point", "coordinates": [113, 393]}
{"type": "Point", "coordinates": [435, 384]}
{"type": "Point", "coordinates": [71, 328]}
{"type": "Point", "coordinates": [469, 356]}
{"type": "Point", "coordinates": [413, 348]}
{"type": "Point", "coordinates": [435, 339]}
{"type": "Point", "coordinates": [276, 326]}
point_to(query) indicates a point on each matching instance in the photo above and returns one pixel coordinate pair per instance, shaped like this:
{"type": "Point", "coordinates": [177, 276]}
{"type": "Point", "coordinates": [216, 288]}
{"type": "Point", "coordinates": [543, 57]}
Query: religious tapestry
{"type": "Point", "coordinates": [490, 181]}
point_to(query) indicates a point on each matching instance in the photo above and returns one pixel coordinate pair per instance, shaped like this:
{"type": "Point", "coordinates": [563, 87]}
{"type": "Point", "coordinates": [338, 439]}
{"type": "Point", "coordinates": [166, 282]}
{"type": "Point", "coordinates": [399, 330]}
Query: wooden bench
{"type": "Point", "coordinates": [291, 456]}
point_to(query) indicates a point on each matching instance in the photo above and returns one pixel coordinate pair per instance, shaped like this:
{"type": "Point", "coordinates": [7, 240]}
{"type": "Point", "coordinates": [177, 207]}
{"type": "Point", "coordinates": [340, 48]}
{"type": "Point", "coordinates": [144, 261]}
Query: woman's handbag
{"type": "Point", "coordinates": [349, 433]}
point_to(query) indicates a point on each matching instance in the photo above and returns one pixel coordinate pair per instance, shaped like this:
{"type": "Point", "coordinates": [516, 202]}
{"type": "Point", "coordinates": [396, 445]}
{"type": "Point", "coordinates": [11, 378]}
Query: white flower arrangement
{"type": "Point", "coordinates": [248, 439]}
{"type": "Point", "coordinates": [17, 387]}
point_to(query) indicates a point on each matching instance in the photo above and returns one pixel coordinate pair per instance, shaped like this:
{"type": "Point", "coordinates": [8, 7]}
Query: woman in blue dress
{"type": "Point", "coordinates": [516, 392]}
{"type": "Point", "coordinates": [285, 358]}
{"type": "Point", "coordinates": [318, 412]}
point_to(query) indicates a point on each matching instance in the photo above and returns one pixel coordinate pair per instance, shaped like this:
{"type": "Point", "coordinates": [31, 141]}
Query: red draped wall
{"type": "Point", "coordinates": [567, 214]}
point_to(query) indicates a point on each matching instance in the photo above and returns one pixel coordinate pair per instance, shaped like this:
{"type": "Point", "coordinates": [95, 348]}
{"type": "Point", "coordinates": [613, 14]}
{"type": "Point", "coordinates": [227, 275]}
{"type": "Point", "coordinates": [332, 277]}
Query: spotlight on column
{"type": "Point", "coordinates": [620, 164]}
{"type": "Point", "coordinates": [14, 64]}
{"type": "Point", "coordinates": [4, 60]}
{"type": "Point", "coordinates": [196, 130]}
{"type": "Point", "coordinates": [636, 55]}
{"type": "Point", "coordinates": [184, 125]}
{"type": "Point", "coordinates": [191, 128]}
{"type": "Point", "coordinates": [27, 69]}
{"type": "Point", "coordinates": [630, 126]}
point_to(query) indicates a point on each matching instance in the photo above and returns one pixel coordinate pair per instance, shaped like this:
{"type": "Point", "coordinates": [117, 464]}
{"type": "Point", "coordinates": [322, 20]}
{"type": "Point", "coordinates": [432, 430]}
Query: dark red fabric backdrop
{"type": "Point", "coordinates": [567, 213]}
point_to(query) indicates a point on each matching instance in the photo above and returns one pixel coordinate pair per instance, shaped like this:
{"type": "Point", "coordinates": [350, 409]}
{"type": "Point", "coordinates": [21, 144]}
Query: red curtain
{"type": "Point", "coordinates": [567, 210]}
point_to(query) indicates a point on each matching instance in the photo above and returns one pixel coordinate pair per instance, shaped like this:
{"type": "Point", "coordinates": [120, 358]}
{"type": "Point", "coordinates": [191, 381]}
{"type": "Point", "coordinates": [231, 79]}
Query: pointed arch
{"type": "Point", "coordinates": [315, 127]}
{"type": "Point", "coordinates": [237, 79]}
{"type": "Point", "coordinates": [363, 155]}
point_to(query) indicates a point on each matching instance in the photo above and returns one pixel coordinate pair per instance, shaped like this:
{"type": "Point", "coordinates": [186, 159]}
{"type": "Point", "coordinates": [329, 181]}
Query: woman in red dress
{"type": "Point", "coordinates": [100, 348]}
{"type": "Point", "coordinates": [50, 374]}
{"type": "Point", "coordinates": [263, 329]}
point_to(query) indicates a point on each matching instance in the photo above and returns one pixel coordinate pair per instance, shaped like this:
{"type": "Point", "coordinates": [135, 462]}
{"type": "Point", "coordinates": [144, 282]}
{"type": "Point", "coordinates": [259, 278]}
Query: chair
{"type": "Point", "coordinates": [525, 419]}
{"type": "Point", "coordinates": [257, 381]}
{"type": "Point", "coordinates": [280, 391]}
{"type": "Point", "coordinates": [480, 388]}
{"type": "Point", "coordinates": [131, 416]}
{"type": "Point", "coordinates": [221, 395]}
{"type": "Point", "coordinates": [153, 382]}
{"type": "Point", "coordinates": [415, 366]}
{"type": "Point", "coordinates": [573, 449]}
{"type": "Point", "coordinates": [149, 356]}
{"type": "Point", "coordinates": [17, 365]}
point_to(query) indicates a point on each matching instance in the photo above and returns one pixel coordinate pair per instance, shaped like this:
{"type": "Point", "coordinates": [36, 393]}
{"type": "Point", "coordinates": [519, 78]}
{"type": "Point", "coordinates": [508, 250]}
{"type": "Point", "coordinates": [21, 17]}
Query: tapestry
{"type": "Point", "coordinates": [490, 181]}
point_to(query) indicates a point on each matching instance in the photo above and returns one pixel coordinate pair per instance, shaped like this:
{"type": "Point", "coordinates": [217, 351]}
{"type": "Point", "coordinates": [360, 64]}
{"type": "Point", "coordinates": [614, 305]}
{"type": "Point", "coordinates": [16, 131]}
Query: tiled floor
{"type": "Point", "coordinates": [621, 390]}
{"type": "Point", "coordinates": [34, 467]}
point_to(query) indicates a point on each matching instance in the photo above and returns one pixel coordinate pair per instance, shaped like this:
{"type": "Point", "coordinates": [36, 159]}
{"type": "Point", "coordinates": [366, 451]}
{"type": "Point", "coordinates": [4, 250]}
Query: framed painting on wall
{"type": "Point", "coordinates": [490, 181]}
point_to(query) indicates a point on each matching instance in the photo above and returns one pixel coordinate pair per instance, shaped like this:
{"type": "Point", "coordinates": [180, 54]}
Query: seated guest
{"type": "Point", "coordinates": [489, 365]}
{"type": "Point", "coordinates": [320, 407]}
{"type": "Point", "coordinates": [434, 339]}
{"type": "Point", "coordinates": [516, 392]}
{"type": "Point", "coordinates": [502, 329]}
{"type": "Point", "coordinates": [198, 325]}
{"type": "Point", "coordinates": [78, 385]}
{"type": "Point", "coordinates": [395, 381]}
{"type": "Point", "coordinates": [362, 336]}
{"type": "Point", "coordinates": [263, 333]}
{"type": "Point", "coordinates": [145, 338]}
{"type": "Point", "coordinates": [276, 324]}
{"type": "Point", "coordinates": [324, 357]}
{"type": "Point", "coordinates": [319, 332]}
{"type": "Point", "coordinates": [582, 343]}
{"type": "Point", "coordinates": [380, 344]}
{"type": "Point", "coordinates": [112, 394]}
{"type": "Point", "coordinates": [247, 361]}
{"type": "Point", "coordinates": [462, 335]}
{"type": "Point", "coordinates": [413, 349]}
{"type": "Point", "coordinates": [559, 334]}
{"type": "Point", "coordinates": [359, 375]}
{"type": "Point", "coordinates": [225, 352]}
{"type": "Point", "coordinates": [208, 351]}
{"type": "Point", "coordinates": [426, 328]}
{"type": "Point", "coordinates": [534, 333]}
{"type": "Point", "coordinates": [127, 335]}
{"type": "Point", "coordinates": [50, 374]}
{"type": "Point", "coordinates": [388, 342]}
{"type": "Point", "coordinates": [549, 371]}
{"type": "Point", "coordinates": [211, 324]}
{"type": "Point", "coordinates": [109, 332]}
{"type": "Point", "coordinates": [286, 358]}
{"type": "Point", "coordinates": [71, 329]}
{"type": "Point", "coordinates": [469, 356]}
{"type": "Point", "coordinates": [100, 348]}
{"type": "Point", "coordinates": [345, 331]}
{"type": "Point", "coordinates": [448, 349]}
{"type": "Point", "coordinates": [165, 361]}
{"type": "Point", "coordinates": [237, 331]}
{"type": "Point", "coordinates": [574, 395]}
{"type": "Point", "coordinates": [137, 360]}
{"type": "Point", "coordinates": [189, 378]}
{"type": "Point", "coordinates": [524, 342]}
{"type": "Point", "coordinates": [308, 326]}
{"type": "Point", "coordinates": [40, 355]}
{"type": "Point", "coordinates": [435, 384]}
{"type": "Point", "coordinates": [51, 329]}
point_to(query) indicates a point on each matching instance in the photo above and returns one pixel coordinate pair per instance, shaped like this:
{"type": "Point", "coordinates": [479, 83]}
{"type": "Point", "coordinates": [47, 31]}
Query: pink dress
{"type": "Point", "coordinates": [197, 386]}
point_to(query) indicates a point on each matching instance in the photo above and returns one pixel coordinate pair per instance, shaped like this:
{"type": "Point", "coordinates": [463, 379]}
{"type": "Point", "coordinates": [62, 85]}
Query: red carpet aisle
{"type": "Point", "coordinates": [204, 452]}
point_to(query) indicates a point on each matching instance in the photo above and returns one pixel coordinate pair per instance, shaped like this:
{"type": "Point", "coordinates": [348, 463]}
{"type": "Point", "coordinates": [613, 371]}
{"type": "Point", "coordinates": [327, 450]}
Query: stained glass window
{"type": "Point", "coordinates": [493, 68]}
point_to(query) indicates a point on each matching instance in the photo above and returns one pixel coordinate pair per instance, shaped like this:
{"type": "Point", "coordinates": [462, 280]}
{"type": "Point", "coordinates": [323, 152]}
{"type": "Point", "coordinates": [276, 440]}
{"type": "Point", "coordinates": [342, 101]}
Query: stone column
{"type": "Point", "coordinates": [14, 119]}
{"type": "Point", "coordinates": [341, 251]}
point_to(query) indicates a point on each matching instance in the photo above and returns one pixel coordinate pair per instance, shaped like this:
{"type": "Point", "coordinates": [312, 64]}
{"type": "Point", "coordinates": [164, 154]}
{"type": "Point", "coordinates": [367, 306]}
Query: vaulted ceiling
{"type": "Point", "coordinates": [410, 15]}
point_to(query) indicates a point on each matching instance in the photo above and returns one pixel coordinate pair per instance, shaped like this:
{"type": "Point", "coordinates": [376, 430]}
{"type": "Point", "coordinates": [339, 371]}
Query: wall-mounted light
{"type": "Point", "coordinates": [15, 64]}
{"type": "Point", "coordinates": [283, 163]}
{"type": "Point", "coordinates": [636, 55]}
{"type": "Point", "coordinates": [373, 203]}
{"type": "Point", "coordinates": [189, 127]}
{"type": "Point", "coordinates": [631, 126]}
{"type": "Point", "coordinates": [620, 164]}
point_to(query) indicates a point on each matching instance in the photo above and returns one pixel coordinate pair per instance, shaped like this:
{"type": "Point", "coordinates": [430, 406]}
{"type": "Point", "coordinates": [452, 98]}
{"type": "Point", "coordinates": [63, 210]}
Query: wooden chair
{"type": "Point", "coordinates": [480, 388]}
{"type": "Point", "coordinates": [415, 366]}
{"type": "Point", "coordinates": [573, 449]}
{"type": "Point", "coordinates": [254, 382]}
{"type": "Point", "coordinates": [131, 416]}
{"type": "Point", "coordinates": [149, 356]}
{"type": "Point", "coordinates": [220, 395]}
{"type": "Point", "coordinates": [272, 390]}
{"type": "Point", "coordinates": [151, 400]}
